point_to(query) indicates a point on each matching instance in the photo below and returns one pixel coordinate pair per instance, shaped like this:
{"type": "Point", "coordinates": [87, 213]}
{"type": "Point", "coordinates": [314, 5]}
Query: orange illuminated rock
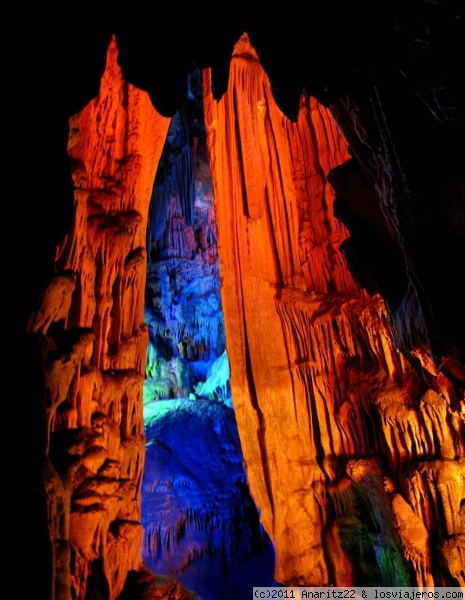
{"type": "Point", "coordinates": [94, 368]}
{"type": "Point", "coordinates": [315, 378]}
{"type": "Point", "coordinates": [354, 459]}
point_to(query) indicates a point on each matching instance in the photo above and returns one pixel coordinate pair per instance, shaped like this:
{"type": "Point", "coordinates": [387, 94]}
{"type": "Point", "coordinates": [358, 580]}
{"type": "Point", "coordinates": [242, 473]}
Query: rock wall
{"type": "Point", "coordinates": [94, 341]}
{"type": "Point", "coordinates": [354, 454]}
{"type": "Point", "coordinates": [183, 302]}
{"type": "Point", "coordinates": [337, 429]}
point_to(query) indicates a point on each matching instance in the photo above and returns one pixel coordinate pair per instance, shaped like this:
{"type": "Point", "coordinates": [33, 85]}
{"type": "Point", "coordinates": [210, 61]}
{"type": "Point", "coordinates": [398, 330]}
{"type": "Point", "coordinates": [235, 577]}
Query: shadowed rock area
{"type": "Point", "coordinates": [337, 174]}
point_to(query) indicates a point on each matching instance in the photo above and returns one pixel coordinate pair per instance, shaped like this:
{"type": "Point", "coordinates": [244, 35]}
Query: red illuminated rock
{"type": "Point", "coordinates": [315, 378]}
{"type": "Point", "coordinates": [94, 369]}
{"type": "Point", "coordinates": [348, 449]}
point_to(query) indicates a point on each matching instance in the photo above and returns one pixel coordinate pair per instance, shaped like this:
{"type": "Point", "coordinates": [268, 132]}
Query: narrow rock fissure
{"type": "Point", "coordinates": [200, 522]}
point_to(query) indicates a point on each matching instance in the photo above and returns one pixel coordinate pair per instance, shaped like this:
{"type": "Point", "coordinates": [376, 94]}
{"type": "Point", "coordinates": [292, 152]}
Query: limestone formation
{"type": "Point", "coordinates": [353, 440]}
{"type": "Point", "coordinates": [94, 342]}
{"type": "Point", "coordinates": [316, 380]}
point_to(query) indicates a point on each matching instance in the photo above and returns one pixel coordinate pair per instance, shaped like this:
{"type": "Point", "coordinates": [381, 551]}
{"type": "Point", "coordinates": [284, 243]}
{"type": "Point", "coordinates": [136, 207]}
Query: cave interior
{"type": "Point", "coordinates": [336, 247]}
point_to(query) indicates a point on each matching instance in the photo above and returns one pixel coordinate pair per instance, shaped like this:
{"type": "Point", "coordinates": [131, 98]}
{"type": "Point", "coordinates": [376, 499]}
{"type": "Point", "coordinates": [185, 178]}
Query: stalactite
{"type": "Point", "coordinates": [94, 341]}
{"type": "Point", "coordinates": [354, 452]}
{"type": "Point", "coordinates": [332, 382]}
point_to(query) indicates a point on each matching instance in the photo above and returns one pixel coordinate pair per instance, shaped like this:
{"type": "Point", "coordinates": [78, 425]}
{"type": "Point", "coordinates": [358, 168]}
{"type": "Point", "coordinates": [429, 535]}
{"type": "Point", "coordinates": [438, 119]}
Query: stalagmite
{"type": "Point", "coordinates": [316, 380]}
{"type": "Point", "coordinates": [354, 450]}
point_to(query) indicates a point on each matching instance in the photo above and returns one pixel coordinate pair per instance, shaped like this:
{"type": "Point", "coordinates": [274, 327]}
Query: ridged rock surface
{"type": "Point", "coordinates": [354, 459]}
{"type": "Point", "coordinates": [332, 418]}
{"type": "Point", "coordinates": [95, 364]}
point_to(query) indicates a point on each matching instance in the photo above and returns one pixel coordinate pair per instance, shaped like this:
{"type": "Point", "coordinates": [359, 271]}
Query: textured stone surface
{"type": "Point", "coordinates": [200, 523]}
{"type": "Point", "coordinates": [94, 342]}
{"type": "Point", "coordinates": [144, 585]}
{"type": "Point", "coordinates": [316, 380]}
{"type": "Point", "coordinates": [183, 303]}
{"type": "Point", "coordinates": [340, 430]}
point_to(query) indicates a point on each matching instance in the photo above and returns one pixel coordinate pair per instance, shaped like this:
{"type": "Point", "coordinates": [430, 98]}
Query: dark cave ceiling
{"type": "Point", "coordinates": [325, 50]}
